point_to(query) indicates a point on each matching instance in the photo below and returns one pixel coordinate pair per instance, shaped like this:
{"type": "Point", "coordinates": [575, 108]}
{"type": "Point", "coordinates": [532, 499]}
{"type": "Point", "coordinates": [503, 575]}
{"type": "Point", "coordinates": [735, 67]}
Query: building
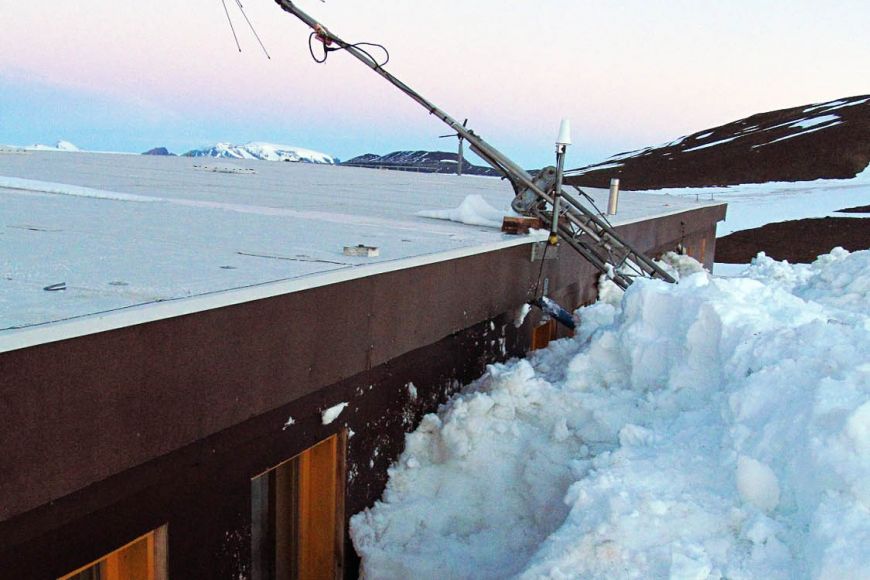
{"type": "Point", "coordinates": [197, 382]}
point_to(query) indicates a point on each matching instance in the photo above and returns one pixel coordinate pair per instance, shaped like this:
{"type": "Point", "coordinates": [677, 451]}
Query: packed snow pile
{"type": "Point", "coordinates": [715, 428]}
{"type": "Point", "coordinates": [474, 211]}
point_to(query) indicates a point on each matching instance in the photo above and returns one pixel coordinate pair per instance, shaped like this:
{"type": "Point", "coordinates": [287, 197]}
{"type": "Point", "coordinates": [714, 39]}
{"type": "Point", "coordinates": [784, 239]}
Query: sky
{"type": "Point", "coordinates": [117, 75]}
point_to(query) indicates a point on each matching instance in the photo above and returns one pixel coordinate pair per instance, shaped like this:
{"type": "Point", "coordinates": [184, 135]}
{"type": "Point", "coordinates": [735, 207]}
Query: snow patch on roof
{"type": "Point", "coordinates": [474, 210]}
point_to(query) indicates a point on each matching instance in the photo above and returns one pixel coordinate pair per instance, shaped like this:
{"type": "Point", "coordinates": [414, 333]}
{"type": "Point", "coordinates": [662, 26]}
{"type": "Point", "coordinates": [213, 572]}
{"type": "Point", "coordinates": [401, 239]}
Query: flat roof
{"type": "Point", "coordinates": [134, 238]}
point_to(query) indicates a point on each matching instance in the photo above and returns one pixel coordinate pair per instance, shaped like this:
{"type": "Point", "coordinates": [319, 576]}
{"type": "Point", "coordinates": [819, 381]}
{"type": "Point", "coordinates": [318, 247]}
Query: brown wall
{"type": "Point", "coordinates": [202, 491]}
{"type": "Point", "coordinates": [86, 411]}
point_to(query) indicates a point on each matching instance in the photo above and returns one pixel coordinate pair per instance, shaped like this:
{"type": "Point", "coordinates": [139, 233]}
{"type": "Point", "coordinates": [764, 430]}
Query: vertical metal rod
{"type": "Point", "coordinates": [461, 156]}
{"type": "Point", "coordinates": [613, 200]}
{"type": "Point", "coordinates": [557, 193]}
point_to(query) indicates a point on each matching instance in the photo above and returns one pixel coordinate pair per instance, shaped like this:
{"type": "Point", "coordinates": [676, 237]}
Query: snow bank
{"type": "Point", "coordinates": [66, 189]}
{"type": "Point", "coordinates": [715, 428]}
{"type": "Point", "coordinates": [474, 211]}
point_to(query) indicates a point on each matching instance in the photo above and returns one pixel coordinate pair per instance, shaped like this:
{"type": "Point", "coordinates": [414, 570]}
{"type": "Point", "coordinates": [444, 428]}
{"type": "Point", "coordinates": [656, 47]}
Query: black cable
{"type": "Point", "coordinates": [232, 28]}
{"type": "Point", "coordinates": [541, 271]}
{"type": "Point", "coordinates": [251, 26]}
{"type": "Point", "coordinates": [603, 217]}
{"type": "Point", "coordinates": [327, 49]}
{"type": "Point", "coordinates": [592, 201]}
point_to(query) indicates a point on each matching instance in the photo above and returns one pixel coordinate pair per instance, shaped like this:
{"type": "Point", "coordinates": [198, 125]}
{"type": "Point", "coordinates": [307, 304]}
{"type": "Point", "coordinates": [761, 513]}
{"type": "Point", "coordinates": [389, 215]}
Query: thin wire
{"type": "Point", "coordinates": [637, 269]}
{"type": "Point", "coordinates": [541, 271]}
{"type": "Point", "coordinates": [232, 28]}
{"type": "Point", "coordinates": [251, 26]}
{"type": "Point", "coordinates": [592, 201]}
{"type": "Point", "coordinates": [356, 45]}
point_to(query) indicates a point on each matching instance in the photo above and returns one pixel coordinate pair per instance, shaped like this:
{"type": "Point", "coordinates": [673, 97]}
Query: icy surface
{"type": "Point", "coordinates": [718, 428]}
{"type": "Point", "coordinates": [130, 230]}
{"type": "Point", "coordinates": [754, 205]}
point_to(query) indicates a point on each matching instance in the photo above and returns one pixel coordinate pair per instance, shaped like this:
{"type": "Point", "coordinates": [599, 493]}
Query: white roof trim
{"type": "Point", "coordinates": [153, 311]}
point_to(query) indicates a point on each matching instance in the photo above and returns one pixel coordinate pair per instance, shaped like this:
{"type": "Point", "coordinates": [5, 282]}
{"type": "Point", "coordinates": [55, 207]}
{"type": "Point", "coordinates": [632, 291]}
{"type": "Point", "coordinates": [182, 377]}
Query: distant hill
{"type": "Point", "coordinates": [264, 152]}
{"type": "Point", "coordinates": [420, 161]}
{"type": "Point", "coordinates": [59, 146]}
{"type": "Point", "coordinates": [820, 141]}
{"type": "Point", "coordinates": [162, 151]}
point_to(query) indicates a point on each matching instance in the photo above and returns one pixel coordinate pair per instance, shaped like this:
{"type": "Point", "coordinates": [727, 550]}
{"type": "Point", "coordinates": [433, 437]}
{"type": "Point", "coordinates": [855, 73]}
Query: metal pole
{"type": "Point", "coordinates": [461, 157]}
{"type": "Point", "coordinates": [487, 152]}
{"type": "Point", "coordinates": [560, 166]}
{"type": "Point", "coordinates": [562, 142]}
{"type": "Point", "coordinates": [613, 201]}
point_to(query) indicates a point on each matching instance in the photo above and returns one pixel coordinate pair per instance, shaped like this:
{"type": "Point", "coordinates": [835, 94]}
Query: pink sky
{"type": "Point", "coordinates": [628, 74]}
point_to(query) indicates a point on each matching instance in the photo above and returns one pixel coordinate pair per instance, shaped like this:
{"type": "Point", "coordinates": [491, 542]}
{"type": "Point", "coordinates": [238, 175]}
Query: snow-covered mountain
{"type": "Point", "coordinates": [263, 152]}
{"type": "Point", "coordinates": [420, 161]}
{"type": "Point", "coordinates": [819, 141]}
{"type": "Point", "coordinates": [59, 146]}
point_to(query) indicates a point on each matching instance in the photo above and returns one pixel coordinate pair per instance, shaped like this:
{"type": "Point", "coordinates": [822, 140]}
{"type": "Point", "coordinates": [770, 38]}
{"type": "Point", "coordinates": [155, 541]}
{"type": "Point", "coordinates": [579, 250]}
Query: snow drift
{"type": "Point", "coordinates": [715, 428]}
{"type": "Point", "coordinates": [473, 211]}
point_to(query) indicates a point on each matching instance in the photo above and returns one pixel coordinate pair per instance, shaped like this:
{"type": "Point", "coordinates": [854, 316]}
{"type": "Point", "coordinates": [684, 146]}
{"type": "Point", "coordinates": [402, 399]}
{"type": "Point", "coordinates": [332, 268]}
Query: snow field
{"type": "Point", "coordinates": [715, 428]}
{"type": "Point", "coordinates": [753, 205]}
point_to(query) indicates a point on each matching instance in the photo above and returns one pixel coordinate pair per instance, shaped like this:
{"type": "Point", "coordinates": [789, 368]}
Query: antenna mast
{"type": "Point", "coordinates": [591, 236]}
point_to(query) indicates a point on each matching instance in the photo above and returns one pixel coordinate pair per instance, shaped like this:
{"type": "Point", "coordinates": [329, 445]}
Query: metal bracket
{"type": "Point", "coordinates": [541, 251]}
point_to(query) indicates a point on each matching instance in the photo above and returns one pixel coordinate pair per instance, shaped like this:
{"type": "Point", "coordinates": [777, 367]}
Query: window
{"type": "Point", "coordinates": [543, 334]}
{"type": "Point", "coordinates": [142, 559]}
{"type": "Point", "coordinates": [297, 516]}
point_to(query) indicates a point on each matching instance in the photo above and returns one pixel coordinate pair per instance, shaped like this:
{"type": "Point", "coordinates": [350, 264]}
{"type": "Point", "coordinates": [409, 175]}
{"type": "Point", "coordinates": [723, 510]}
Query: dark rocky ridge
{"type": "Point", "coordinates": [798, 241]}
{"type": "Point", "coordinates": [159, 151]}
{"type": "Point", "coordinates": [420, 161]}
{"type": "Point", "coordinates": [860, 209]}
{"type": "Point", "coordinates": [822, 141]}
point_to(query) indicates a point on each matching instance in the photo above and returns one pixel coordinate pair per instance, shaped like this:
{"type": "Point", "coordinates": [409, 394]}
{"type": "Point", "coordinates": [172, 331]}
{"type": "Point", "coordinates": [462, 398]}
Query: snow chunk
{"type": "Point", "coordinates": [474, 211]}
{"type": "Point", "coordinates": [757, 483]}
{"type": "Point", "coordinates": [522, 312]}
{"type": "Point", "coordinates": [332, 413]}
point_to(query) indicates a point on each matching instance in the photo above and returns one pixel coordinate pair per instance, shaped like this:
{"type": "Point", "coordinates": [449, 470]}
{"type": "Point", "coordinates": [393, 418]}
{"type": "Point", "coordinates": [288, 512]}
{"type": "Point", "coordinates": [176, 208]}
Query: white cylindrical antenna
{"type": "Point", "coordinates": [564, 137]}
{"type": "Point", "coordinates": [613, 201]}
{"type": "Point", "coordinates": [562, 142]}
